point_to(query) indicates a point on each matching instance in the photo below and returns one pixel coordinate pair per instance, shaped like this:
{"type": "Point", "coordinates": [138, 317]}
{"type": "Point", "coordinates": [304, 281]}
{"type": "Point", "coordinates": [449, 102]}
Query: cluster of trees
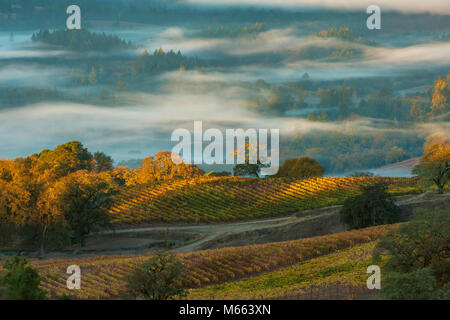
{"type": "Point", "coordinates": [328, 53]}
{"type": "Point", "coordinates": [16, 96]}
{"type": "Point", "coordinates": [59, 196]}
{"type": "Point", "coordinates": [221, 32]}
{"type": "Point", "coordinates": [81, 40]}
{"type": "Point", "coordinates": [341, 151]}
{"type": "Point", "coordinates": [384, 104]}
{"type": "Point", "coordinates": [163, 61]}
{"type": "Point", "coordinates": [345, 100]}
{"type": "Point", "coordinates": [55, 197]}
{"type": "Point", "coordinates": [343, 33]}
{"type": "Point", "coordinates": [159, 167]}
{"type": "Point", "coordinates": [418, 265]}
{"type": "Point", "coordinates": [276, 99]}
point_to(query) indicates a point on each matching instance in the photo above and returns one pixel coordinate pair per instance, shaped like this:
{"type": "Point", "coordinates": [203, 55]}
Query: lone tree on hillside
{"type": "Point", "coordinates": [249, 168]}
{"type": "Point", "coordinates": [157, 279]}
{"type": "Point", "coordinates": [373, 207]}
{"type": "Point", "coordinates": [434, 166]}
{"type": "Point", "coordinates": [303, 167]}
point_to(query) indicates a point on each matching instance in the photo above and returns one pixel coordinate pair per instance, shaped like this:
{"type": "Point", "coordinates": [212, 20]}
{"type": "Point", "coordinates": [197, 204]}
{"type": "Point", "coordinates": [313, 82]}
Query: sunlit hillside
{"type": "Point", "coordinates": [238, 198]}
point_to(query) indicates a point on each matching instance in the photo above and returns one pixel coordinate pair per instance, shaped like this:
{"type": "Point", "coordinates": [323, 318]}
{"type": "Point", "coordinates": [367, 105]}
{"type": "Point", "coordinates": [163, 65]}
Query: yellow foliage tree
{"type": "Point", "coordinates": [435, 163]}
{"type": "Point", "coordinates": [441, 93]}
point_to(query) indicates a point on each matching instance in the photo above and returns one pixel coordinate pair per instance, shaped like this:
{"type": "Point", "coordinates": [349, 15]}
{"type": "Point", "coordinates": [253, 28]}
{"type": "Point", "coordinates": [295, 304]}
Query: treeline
{"type": "Point", "coordinates": [343, 33]}
{"type": "Point", "coordinates": [231, 32]}
{"type": "Point", "coordinates": [352, 150]}
{"type": "Point", "coordinates": [22, 96]}
{"type": "Point", "coordinates": [435, 104]}
{"type": "Point", "coordinates": [164, 61]}
{"type": "Point", "coordinates": [341, 102]}
{"type": "Point", "coordinates": [328, 53]}
{"type": "Point", "coordinates": [54, 198]}
{"type": "Point", "coordinates": [81, 40]}
{"type": "Point", "coordinates": [57, 197]}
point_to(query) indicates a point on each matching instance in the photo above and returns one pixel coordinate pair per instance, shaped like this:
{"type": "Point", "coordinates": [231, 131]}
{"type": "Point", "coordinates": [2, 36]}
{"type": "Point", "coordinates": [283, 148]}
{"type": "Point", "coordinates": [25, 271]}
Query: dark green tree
{"type": "Point", "coordinates": [418, 257]}
{"type": "Point", "coordinates": [21, 281]}
{"type": "Point", "coordinates": [157, 279]}
{"type": "Point", "coordinates": [103, 162]}
{"type": "Point", "coordinates": [248, 169]}
{"type": "Point", "coordinates": [374, 206]}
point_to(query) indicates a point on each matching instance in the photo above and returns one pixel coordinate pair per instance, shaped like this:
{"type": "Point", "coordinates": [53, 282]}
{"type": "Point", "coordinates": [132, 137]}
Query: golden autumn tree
{"type": "Point", "coordinates": [83, 199]}
{"type": "Point", "coordinates": [441, 95]}
{"type": "Point", "coordinates": [21, 199]}
{"type": "Point", "coordinates": [302, 167]}
{"type": "Point", "coordinates": [434, 165]}
{"type": "Point", "coordinates": [25, 185]}
{"type": "Point", "coordinates": [160, 167]}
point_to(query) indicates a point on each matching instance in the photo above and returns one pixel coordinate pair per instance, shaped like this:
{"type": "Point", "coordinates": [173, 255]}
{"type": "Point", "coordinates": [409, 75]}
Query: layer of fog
{"type": "Point", "coordinates": [14, 45]}
{"type": "Point", "coordinates": [34, 75]}
{"type": "Point", "coordinates": [434, 6]}
{"type": "Point", "coordinates": [377, 61]}
{"type": "Point", "coordinates": [147, 127]}
{"type": "Point", "coordinates": [382, 172]}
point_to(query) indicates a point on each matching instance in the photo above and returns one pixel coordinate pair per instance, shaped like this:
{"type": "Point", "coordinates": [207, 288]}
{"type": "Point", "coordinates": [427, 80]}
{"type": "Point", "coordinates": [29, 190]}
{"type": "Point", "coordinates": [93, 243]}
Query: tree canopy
{"type": "Point", "coordinates": [434, 165]}
{"type": "Point", "coordinates": [418, 265]}
{"type": "Point", "coordinates": [374, 206]}
{"type": "Point", "coordinates": [302, 167]}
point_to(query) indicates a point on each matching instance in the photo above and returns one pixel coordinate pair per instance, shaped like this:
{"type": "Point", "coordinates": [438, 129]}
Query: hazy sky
{"type": "Point", "coordinates": [434, 6]}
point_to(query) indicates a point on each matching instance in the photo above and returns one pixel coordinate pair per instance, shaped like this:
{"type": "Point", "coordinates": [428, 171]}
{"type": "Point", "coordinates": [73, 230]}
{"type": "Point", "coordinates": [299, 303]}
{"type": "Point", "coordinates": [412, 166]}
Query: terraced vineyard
{"type": "Point", "coordinates": [102, 276]}
{"type": "Point", "coordinates": [223, 199]}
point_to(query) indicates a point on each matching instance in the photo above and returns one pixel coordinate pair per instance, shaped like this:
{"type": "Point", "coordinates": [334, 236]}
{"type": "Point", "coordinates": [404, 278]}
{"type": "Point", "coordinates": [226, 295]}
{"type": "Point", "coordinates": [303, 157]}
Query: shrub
{"type": "Point", "coordinates": [21, 282]}
{"type": "Point", "coordinates": [157, 279]}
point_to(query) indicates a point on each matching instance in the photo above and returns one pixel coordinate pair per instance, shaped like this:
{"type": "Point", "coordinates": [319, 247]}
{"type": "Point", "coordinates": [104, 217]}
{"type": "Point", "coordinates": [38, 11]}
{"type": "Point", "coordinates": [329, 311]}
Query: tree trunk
{"type": "Point", "coordinates": [42, 250]}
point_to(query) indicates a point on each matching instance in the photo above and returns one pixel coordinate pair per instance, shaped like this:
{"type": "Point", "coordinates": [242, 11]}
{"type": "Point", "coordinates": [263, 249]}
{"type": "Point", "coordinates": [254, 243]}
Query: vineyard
{"type": "Point", "coordinates": [338, 275]}
{"type": "Point", "coordinates": [102, 276]}
{"type": "Point", "coordinates": [223, 199]}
